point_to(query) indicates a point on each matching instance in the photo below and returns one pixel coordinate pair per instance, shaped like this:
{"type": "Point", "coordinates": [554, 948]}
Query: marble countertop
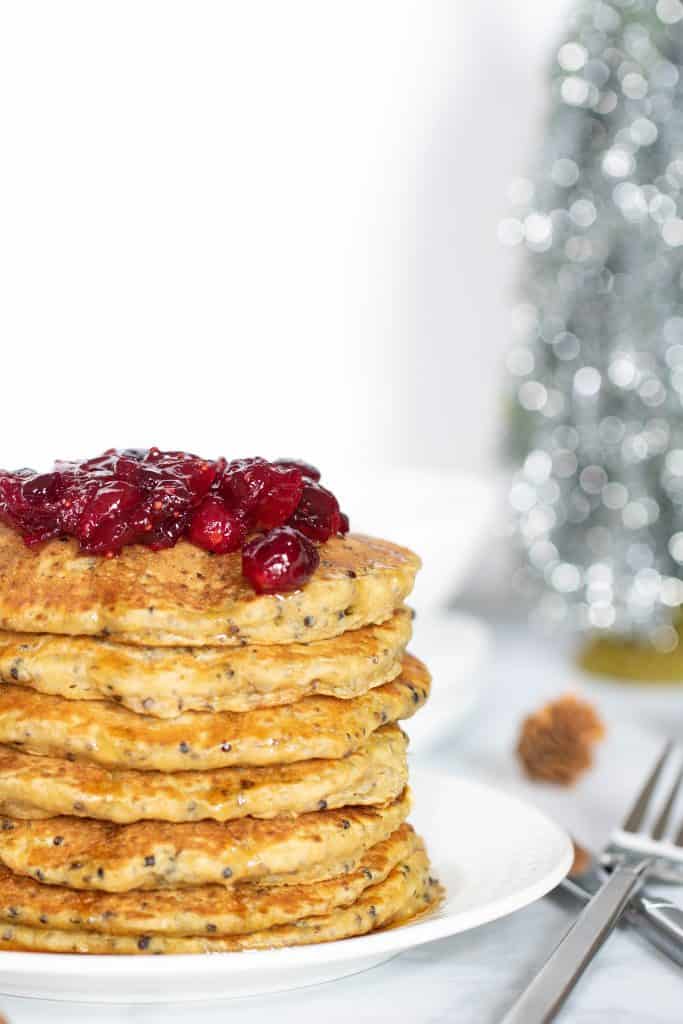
{"type": "Point", "coordinates": [474, 977]}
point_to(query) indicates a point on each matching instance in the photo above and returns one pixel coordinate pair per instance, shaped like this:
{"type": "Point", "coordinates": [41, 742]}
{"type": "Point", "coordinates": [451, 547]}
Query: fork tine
{"type": "Point", "coordinates": [635, 817]}
{"type": "Point", "coordinates": [663, 819]}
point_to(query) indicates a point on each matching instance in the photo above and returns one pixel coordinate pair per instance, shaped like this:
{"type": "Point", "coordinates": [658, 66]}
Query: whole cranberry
{"type": "Point", "coordinates": [318, 514]}
{"type": "Point", "coordinates": [216, 528]}
{"type": "Point", "coordinates": [343, 523]}
{"type": "Point", "coordinates": [279, 561]}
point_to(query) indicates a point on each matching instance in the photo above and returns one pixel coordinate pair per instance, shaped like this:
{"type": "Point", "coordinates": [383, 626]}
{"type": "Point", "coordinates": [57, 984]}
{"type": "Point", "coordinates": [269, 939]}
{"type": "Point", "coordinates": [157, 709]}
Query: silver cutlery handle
{"type": "Point", "coordinates": [658, 920]}
{"type": "Point", "coordinates": [661, 921]}
{"type": "Point", "coordinates": [540, 1002]}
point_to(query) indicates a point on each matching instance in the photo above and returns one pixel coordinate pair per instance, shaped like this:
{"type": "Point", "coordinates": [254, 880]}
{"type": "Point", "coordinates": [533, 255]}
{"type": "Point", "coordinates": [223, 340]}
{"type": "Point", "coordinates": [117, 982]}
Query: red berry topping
{"type": "Point", "coordinates": [197, 474]}
{"type": "Point", "coordinates": [278, 561]}
{"type": "Point", "coordinates": [43, 489]}
{"type": "Point", "coordinates": [110, 502]}
{"type": "Point", "coordinates": [216, 528]}
{"type": "Point", "coordinates": [281, 498]}
{"type": "Point", "coordinates": [106, 537]}
{"type": "Point", "coordinates": [102, 527]}
{"type": "Point", "coordinates": [266, 494]}
{"type": "Point", "coordinates": [151, 497]}
{"type": "Point", "coordinates": [128, 468]}
{"type": "Point", "coordinates": [167, 533]}
{"type": "Point", "coordinates": [308, 471]}
{"type": "Point", "coordinates": [318, 514]}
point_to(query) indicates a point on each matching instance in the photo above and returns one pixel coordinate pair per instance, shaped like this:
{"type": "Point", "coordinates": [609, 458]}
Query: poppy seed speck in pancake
{"type": "Point", "coordinates": [184, 595]}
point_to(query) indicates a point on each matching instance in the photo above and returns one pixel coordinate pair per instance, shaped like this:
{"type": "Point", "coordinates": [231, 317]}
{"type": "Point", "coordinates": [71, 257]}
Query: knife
{"type": "Point", "coordinates": [657, 919]}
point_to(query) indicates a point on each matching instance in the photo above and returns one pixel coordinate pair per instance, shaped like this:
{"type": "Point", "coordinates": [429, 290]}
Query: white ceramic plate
{"type": "Point", "coordinates": [455, 648]}
{"type": "Point", "coordinates": [444, 515]}
{"type": "Point", "coordinates": [493, 853]}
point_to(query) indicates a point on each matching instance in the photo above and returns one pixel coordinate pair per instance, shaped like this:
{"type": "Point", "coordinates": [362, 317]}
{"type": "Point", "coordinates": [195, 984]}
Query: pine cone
{"type": "Point", "coordinates": [556, 743]}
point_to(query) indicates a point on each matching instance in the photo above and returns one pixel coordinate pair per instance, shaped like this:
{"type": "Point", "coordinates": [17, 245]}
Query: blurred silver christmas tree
{"type": "Point", "coordinates": [597, 364]}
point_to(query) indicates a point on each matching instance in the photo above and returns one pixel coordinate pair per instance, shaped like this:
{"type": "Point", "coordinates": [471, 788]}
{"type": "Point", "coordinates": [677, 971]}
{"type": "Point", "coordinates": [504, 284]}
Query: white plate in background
{"type": "Point", "coordinates": [455, 648]}
{"type": "Point", "coordinates": [441, 514]}
{"type": "Point", "coordinates": [493, 853]}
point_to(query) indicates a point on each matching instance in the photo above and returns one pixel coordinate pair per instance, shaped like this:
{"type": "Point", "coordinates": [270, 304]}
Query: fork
{"type": "Point", "coordinates": [634, 854]}
{"type": "Point", "coordinates": [632, 841]}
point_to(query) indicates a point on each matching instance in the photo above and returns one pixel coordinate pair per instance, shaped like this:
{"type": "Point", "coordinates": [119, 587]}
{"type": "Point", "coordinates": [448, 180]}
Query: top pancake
{"type": "Point", "coordinates": [185, 595]}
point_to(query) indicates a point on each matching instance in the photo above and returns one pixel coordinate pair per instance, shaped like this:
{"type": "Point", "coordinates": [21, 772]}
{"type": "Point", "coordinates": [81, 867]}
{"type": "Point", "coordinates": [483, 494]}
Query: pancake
{"type": "Point", "coordinates": [85, 854]}
{"type": "Point", "coordinates": [185, 595]}
{"type": "Point", "coordinates": [207, 910]}
{"type": "Point", "coordinates": [104, 734]}
{"type": "Point", "coordinates": [407, 891]}
{"type": "Point", "coordinates": [164, 682]}
{"type": "Point", "coordinates": [41, 787]}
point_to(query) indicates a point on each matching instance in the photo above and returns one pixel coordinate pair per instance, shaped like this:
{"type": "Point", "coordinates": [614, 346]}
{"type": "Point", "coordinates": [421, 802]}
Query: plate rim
{"type": "Point", "coordinates": [469, 682]}
{"type": "Point", "coordinates": [434, 926]}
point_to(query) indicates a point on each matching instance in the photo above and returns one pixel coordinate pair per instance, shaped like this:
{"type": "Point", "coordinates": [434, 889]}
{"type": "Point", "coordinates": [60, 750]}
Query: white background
{"type": "Point", "coordinates": [261, 227]}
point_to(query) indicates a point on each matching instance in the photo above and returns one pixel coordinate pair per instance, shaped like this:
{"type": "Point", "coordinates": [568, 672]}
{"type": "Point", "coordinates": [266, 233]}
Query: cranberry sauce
{"type": "Point", "coordinates": [272, 511]}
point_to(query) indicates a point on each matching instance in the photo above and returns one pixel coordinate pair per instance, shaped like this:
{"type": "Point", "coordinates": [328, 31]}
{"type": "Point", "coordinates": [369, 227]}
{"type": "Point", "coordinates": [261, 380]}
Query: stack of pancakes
{"type": "Point", "coordinates": [187, 766]}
